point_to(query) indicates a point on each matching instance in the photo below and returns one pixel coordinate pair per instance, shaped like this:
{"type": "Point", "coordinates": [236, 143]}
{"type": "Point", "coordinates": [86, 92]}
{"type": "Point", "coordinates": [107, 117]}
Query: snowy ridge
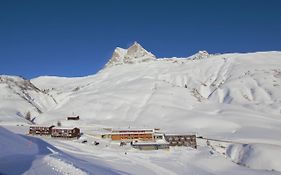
{"type": "Point", "coordinates": [19, 96]}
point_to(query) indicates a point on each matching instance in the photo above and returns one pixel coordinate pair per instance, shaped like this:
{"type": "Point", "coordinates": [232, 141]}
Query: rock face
{"type": "Point", "coordinates": [134, 54]}
{"type": "Point", "coordinates": [200, 55]}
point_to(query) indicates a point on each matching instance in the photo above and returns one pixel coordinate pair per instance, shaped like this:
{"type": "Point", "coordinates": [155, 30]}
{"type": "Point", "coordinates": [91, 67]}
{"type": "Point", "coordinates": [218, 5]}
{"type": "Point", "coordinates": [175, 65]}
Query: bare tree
{"type": "Point", "coordinates": [58, 123]}
{"type": "Point", "coordinates": [28, 116]}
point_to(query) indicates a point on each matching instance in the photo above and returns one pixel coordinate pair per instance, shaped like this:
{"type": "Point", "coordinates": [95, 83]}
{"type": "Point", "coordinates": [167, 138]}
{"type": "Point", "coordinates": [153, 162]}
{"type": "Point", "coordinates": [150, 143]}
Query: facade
{"type": "Point", "coordinates": [65, 132]}
{"type": "Point", "coordinates": [132, 134]}
{"type": "Point", "coordinates": [149, 145]}
{"type": "Point", "coordinates": [158, 136]}
{"type": "Point", "coordinates": [54, 132]}
{"type": "Point", "coordinates": [132, 130]}
{"type": "Point", "coordinates": [40, 130]}
{"type": "Point", "coordinates": [181, 140]}
{"type": "Point", "coordinates": [106, 136]}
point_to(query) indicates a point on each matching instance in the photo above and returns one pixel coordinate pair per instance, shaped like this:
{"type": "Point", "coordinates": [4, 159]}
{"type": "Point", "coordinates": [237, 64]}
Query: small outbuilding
{"type": "Point", "coordinates": [73, 118]}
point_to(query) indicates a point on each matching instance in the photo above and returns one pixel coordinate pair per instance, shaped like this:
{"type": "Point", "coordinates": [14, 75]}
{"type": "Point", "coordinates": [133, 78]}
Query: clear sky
{"type": "Point", "coordinates": [76, 38]}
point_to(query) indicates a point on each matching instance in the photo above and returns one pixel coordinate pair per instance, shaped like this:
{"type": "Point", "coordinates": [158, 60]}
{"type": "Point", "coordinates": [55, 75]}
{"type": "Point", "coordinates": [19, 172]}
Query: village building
{"type": "Point", "coordinates": [150, 145]}
{"type": "Point", "coordinates": [73, 118]}
{"type": "Point", "coordinates": [132, 134]}
{"type": "Point", "coordinates": [65, 132]}
{"type": "Point", "coordinates": [188, 140]}
{"type": "Point", "coordinates": [40, 130]}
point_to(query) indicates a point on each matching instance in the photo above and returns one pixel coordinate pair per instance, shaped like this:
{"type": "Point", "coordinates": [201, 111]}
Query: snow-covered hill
{"type": "Point", "coordinates": [223, 93]}
{"type": "Point", "coordinates": [28, 155]}
{"type": "Point", "coordinates": [209, 94]}
{"type": "Point", "coordinates": [19, 96]}
{"type": "Point", "coordinates": [235, 96]}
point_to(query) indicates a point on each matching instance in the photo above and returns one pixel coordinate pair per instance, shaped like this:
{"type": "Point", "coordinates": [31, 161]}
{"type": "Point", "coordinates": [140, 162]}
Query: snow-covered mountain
{"type": "Point", "coordinates": [222, 93]}
{"type": "Point", "coordinates": [135, 88]}
{"type": "Point", "coordinates": [235, 96]}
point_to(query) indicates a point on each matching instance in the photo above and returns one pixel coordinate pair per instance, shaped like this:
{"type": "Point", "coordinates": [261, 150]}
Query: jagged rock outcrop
{"type": "Point", "coordinates": [134, 54]}
{"type": "Point", "coordinates": [200, 55]}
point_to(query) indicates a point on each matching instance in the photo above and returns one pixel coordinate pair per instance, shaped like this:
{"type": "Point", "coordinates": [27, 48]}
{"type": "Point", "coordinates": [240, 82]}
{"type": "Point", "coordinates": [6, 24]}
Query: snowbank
{"type": "Point", "coordinates": [15, 151]}
{"type": "Point", "coordinates": [256, 156]}
{"type": "Point", "coordinates": [11, 144]}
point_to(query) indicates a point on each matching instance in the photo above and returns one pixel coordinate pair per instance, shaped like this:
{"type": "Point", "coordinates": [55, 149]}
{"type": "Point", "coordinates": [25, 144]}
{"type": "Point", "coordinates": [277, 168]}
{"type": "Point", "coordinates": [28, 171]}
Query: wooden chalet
{"type": "Point", "coordinates": [73, 118]}
{"type": "Point", "coordinates": [181, 140]}
{"type": "Point", "coordinates": [40, 130]}
{"type": "Point", "coordinates": [65, 132]}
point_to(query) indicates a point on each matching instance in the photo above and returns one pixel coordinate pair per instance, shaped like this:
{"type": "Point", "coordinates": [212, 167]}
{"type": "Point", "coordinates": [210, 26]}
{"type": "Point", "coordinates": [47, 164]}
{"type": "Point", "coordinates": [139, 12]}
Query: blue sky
{"type": "Point", "coordinates": [76, 38]}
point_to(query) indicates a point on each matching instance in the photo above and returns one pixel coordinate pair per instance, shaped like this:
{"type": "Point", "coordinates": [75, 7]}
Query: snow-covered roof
{"type": "Point", "coordinates": [132, 129]}
{"type": "Point", "coordinates": [65, 128]}
{"type": "Point", "coordinates": [117, 133]}
{"type": "Point", "coordinates": [180, 134]}
{"type": "Point", "coordinates": [158, 142]}
{"type": "Point", "coordinates": [39, 126]}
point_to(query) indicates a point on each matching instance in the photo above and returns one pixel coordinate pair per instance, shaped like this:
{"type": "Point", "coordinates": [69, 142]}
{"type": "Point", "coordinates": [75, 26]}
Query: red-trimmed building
{"type": "Point", "coordinates": [132, 134]}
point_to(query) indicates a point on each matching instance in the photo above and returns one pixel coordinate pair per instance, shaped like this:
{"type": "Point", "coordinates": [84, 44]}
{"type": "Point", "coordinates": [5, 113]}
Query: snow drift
{"type": "Point", "coordinates": [31, 155]}
{"type": "Point", "coordinates": [257, 156]}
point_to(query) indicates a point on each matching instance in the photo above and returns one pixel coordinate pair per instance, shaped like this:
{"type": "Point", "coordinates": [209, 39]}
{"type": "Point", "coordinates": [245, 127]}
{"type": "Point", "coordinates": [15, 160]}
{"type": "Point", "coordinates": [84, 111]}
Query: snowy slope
{"type": "Point", "coordinates": [27, 155]}
{"type": "Point", "coordinates": [234, 97]}
{"type": "Point", "coordinates": [226, 94]}
{"type": "Point", "coordinates": [257, 156]}
{"type": "Point", "coordinates": [18, 96]}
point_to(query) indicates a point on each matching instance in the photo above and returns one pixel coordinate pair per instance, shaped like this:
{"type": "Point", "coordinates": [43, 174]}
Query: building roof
{"type": "Point", "coordinates": [132, 129]}
{"type": "Point", "coordinates": [160, 142]}
{"type": "Point", "coordinates": [68, 128]}
{"type": "Point", "coordinates": [36, 126]}
{"type": "Point", "coordinates": [117, 133]}
{"type": "Point", "coordinates": [180, 134]}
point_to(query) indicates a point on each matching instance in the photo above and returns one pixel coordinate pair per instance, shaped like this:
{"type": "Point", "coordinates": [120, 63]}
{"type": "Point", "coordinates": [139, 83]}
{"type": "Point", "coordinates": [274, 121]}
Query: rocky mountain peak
{"type": "Point", "coordinates": [200, 55]}
{"type": "Point", "coordinates": [134, 54]}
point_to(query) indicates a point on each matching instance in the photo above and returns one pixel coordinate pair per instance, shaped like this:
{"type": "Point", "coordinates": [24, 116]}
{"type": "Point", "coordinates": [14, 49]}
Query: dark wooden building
{"type": "Point", "coordinates": [181, 140]}
{"type": "Point", "coordinates": [65, 132]}
{"type": "Point", "coordinates": [73, 118]}
{"type": "Point", "coordinates": [40, 130]}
